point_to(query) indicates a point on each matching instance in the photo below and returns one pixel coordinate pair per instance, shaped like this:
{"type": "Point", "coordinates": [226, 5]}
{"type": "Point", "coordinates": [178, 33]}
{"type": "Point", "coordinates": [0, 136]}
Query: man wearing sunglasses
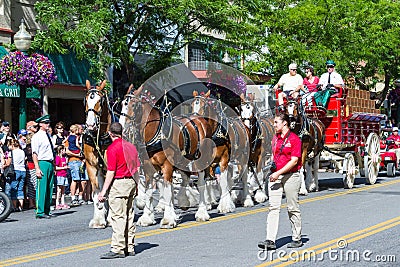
{"type": "Point", "coordinates": [292, 83]}
{"type": "Point", "coordinates": [331, 79]}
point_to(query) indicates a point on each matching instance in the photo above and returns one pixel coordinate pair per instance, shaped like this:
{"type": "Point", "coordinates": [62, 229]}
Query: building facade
{"type": "Point", "coordinates": [63, 100]}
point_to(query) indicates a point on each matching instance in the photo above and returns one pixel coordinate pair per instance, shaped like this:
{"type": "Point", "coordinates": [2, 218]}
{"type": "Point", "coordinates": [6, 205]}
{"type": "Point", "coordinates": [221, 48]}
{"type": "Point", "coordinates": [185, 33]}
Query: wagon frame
{"type": "Point", "coordinates": [352, 136]}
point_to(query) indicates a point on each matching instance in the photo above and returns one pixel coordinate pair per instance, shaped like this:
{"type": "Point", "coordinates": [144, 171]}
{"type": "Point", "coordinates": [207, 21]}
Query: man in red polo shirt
{"type": "Point", "coordinates": [122, 173]}
{"type": "Point", "coordinates": [286, 148]}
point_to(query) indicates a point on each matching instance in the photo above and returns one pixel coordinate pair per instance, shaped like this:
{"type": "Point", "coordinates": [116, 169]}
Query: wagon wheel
{"type": "Point", "coordinates": [349, 170]}
{"type": "Point", "coordinates": [391, 170]}
{"type": "Point", "coordinates": [372, 158]}
{"type": "Point", "coordinates": [360, 164]}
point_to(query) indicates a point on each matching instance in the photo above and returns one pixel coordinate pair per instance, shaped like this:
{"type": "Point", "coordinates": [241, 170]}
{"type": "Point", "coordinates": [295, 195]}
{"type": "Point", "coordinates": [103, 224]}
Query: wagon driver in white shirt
{"type": "Point", "coordinates": [292, 83]}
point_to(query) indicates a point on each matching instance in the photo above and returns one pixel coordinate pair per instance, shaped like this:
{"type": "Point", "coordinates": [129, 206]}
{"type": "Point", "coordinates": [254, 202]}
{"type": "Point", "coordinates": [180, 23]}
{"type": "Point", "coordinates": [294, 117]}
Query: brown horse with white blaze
{"type": "Point", "coordinates": [230, 137]}
{"type": "Point", "coordinates": [312, 134]}
{"type": "Point", "coordinates": [260, 132]}
{"type": "Point", "coordinates": [167, 144]}
{"type": "Point", "coordinates": [98, 120]}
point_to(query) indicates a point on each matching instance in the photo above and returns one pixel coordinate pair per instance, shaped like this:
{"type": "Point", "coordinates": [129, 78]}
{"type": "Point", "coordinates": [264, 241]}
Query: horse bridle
{"type": "Point", "coordinates": [135, 118]}
{"type": "Point", "coordinates": [128, 97]}
{"type": "Point", "coordinates": [200, 98]}
{"type": "Point", "coordinates": [97, 114]}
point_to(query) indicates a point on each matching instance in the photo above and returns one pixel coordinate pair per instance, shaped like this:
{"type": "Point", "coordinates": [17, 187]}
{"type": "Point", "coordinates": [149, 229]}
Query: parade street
{"type": "Point", "coordinates": [352, 227]}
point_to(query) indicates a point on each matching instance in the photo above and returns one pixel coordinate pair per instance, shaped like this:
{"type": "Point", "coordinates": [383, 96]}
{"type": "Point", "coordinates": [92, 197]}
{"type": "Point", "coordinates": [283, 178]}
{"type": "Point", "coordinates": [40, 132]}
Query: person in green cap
{"type": "Point", "coordinates": [43, 158]}
{"type": "Point", "coordinates": [331, 78]}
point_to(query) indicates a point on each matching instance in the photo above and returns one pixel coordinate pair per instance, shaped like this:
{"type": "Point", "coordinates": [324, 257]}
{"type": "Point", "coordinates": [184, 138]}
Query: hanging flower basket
{"type": "Point", "coordinates": [18, 69]}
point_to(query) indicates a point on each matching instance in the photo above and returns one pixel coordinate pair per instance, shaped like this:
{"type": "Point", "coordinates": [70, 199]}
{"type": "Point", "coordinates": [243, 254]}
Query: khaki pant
{"type": "Point", "coordinates": [120, 199]}
{"type": "Point", "coordinates": [290, 183]}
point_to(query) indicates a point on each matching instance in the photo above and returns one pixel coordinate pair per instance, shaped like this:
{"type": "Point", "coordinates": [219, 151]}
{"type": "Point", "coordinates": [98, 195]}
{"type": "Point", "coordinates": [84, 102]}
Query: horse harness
{"type": "Point", "coordinates": [164, 131]}
{"type": "Point", "coordinates": [306, 125]}
{"type": "Point", "coordinates": [99, 142]}
{"type": "Point", "coordinates": [92, 137]}
{"type": "Point", "coordinates": [186, 136]}
{"type": "Point", "coordinates": [255, 133]}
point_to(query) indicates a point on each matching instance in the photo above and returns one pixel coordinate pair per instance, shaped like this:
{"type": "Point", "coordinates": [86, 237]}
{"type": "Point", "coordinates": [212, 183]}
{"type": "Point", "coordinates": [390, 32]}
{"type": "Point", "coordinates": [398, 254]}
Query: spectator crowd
{"type": "Point", "coordinates": [71, 178]}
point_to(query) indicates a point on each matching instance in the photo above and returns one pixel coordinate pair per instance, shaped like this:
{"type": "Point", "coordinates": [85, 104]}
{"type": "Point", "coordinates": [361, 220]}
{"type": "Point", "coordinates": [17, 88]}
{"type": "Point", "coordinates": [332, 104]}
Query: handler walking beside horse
{"type": "Point", "coordinates": [122, 166]}
{"type": "Point", "coordinates": [286, 149]}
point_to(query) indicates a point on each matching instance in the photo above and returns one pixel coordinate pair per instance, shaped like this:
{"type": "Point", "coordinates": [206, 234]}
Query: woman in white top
{"type": "Point", "coordinates": [16, 184]}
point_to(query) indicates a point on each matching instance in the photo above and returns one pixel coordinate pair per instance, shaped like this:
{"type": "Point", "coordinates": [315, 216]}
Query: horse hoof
{"type": "Point", "coordinates": [312, 188]}
{"type": "Point", "coordinates": [167, 226]}
{"type": "Point", "coordinates": [248, 203]}
{"type": "Point", "coordinates": [97, 226]}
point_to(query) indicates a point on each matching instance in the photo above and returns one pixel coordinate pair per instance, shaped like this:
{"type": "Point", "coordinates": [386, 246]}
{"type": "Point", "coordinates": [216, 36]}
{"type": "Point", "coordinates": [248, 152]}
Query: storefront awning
{"type": "Point", "coordinates": [69, 69]}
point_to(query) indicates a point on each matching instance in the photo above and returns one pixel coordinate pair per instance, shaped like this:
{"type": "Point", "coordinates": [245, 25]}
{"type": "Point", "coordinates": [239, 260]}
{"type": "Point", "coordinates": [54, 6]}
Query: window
{"type": "Point", "coordinates": [197, 59]}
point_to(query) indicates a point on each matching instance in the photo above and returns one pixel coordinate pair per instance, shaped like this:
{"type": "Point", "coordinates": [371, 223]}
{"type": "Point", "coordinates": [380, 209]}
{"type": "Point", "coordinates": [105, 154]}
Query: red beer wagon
{"type": "Point", "coordinates": [352, 136]}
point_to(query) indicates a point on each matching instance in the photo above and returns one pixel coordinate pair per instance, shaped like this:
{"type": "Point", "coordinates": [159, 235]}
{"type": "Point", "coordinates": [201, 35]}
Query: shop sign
{"type": "Point", "coordinates": [13, 91]}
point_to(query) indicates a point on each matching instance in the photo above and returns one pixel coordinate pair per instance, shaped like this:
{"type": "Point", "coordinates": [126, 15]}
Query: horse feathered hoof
{"type": "Point", "coordinates": [159, 208]}
{"type": "Point", "coordinates": [303, 193]}
{"type": "Point", "coordinates": [226, 205]}
{"type": "Point", "coordinates": [312, 188]}
{"type": "Point", "coordinates": [260, 197]}
{"type": "Point", "coordinates": [202, 214]}
{"type": "Point", "coordinates": [167, 225]}
{"type": "Point", "coordinates": [97, 225]}
{"type": "Point", "coordinates": [140, 203]}
{"type": "Point", "coordinates": [248, 202]}
{"type": "Point", "coordinates": [146, 220]}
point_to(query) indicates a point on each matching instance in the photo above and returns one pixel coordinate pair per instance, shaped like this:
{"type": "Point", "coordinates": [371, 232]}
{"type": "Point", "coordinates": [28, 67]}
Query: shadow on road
{"type": "Point", "coordinates": [280, 242]}
{"type": "Point", "coordinates": [326, 184]}
{"type": "Point", "coordinates": [140, 247]}
{"type": "Point", "coordinates": [394, 193]}
{"type": "Point", "coordinates": [9, 220]}
{"type": "Point", "coordinates": [62, 213]}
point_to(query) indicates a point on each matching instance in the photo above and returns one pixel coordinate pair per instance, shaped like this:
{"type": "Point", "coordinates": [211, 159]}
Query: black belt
{"type": "Point", "coordinates": [125, 177]}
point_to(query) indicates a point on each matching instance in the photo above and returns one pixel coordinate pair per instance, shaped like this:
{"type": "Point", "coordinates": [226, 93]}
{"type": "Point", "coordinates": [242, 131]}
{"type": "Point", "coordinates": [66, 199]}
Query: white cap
{"type": "Point", "coordinates": [293, 66]}
{"type": "Point", "coordinates": [395, 129]}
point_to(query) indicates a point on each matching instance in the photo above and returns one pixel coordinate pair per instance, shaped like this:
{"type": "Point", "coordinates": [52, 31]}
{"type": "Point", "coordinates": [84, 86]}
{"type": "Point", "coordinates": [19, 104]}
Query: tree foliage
{"type": "Point", "coordinates": [115, 31]}
{"type": "Point", "coordinates": [362, 36]}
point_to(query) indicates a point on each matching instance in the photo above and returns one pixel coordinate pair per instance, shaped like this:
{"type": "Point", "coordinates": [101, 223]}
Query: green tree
{"type": "Point", "coordinates": [349, 32]}
{"type": "Point", "coordinates": [113, 32]}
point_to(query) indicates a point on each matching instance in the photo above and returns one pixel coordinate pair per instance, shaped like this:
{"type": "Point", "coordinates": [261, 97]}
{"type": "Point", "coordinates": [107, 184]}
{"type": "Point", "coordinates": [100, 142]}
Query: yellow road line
{"type": "Point", "coordinates": [332, 244]}
{"type": "Point", "coordinates": [104, 242]}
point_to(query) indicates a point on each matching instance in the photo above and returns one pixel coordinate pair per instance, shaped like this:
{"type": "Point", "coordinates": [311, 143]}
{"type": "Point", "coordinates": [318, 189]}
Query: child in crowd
{"type": "Point", "coordinates": [73, 140]}
{"type": "Point", "coordinates": [62, 179]}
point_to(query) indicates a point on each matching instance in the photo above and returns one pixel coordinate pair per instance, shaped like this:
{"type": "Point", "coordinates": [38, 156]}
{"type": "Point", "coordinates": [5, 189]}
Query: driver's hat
{"type": "Point", "coordinates": [395, 129]}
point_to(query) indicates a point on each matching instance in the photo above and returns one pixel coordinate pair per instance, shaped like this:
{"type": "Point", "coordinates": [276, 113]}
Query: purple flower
{"type": "Point", "coordinates": [36, 70]}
